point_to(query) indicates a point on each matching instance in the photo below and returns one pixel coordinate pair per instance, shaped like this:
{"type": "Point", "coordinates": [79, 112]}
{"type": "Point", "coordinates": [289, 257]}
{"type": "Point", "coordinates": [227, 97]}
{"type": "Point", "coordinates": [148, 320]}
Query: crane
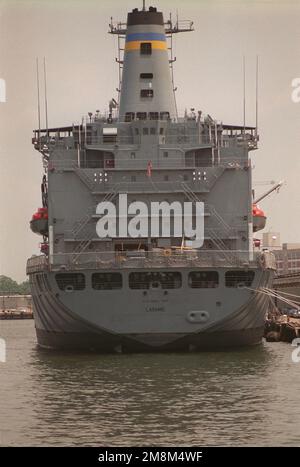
{"type": "Point", "coordinates": [277, 187]}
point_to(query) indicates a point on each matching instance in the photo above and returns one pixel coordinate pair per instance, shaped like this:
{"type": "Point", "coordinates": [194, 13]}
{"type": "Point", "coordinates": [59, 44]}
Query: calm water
{"type": "Point", "coordinates": [249, 397]}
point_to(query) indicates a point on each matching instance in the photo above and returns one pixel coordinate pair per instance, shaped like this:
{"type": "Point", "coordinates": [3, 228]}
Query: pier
{"type": "Point", "coordinates": [283, 328]}
{"type": "Point", "coordinates": [283, 323]}
{"type": "Point", "coordinates": [288, 283]}
{"type": "Point", "coordinates": [16, 307]}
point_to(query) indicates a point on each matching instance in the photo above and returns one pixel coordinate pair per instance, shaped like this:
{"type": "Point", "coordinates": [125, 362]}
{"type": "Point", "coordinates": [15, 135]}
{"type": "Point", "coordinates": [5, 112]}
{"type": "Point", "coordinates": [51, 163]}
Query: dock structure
{"type": "Point", "coordinates": [283, 328]}
{"type": "Point", "coordinates": [287, 285]}
{"type": "Point", "coordinates": [16, 307]}
{"type": "Point", "coordinates": [288, 281]}
{"type": "Point", "coordinates": [16, 314]}
{"type": "Point", "coordinates": [280, 326]}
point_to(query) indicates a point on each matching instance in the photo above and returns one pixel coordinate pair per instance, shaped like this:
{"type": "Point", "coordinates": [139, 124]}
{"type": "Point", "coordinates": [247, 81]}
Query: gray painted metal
{"type": "Point", "coordinates": [161, 84]}
{"type": "Point", "coordinates": [192, 158]}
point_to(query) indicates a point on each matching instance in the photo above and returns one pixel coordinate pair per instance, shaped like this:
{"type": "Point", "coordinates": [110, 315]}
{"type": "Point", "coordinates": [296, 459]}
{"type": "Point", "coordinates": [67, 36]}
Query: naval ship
{"type": "Point", "coordinates": [147, 292]}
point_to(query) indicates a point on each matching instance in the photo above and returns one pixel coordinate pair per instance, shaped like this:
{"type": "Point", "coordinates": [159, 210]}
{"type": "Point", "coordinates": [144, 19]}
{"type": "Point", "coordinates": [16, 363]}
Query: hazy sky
{"type": "Point", "coordinates": [82, 77]}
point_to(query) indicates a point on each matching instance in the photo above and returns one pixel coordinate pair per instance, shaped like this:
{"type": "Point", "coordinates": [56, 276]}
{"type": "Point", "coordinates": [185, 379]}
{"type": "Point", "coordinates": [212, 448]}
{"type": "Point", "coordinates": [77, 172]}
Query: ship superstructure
{"type": "Point", "coordinates": [147, 293]}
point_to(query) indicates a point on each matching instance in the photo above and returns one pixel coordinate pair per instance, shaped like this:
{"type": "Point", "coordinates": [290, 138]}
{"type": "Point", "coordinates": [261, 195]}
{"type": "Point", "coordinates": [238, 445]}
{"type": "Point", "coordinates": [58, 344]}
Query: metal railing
{"type": "Point", "coordinates": [170, 162]}
{"type": "Point", "coordinates": [183, 141]}
{"type": "Point", "coordinates": [178, 258]}
{"type": "Point", "coordinates": [37, 264]}
{"type": "Point", "coordinates": [177, 133]}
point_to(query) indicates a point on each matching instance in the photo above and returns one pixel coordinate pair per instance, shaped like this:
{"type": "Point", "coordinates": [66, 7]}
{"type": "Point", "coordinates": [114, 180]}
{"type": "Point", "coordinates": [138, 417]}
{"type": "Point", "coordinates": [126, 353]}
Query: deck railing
{"type": "Point", "coordinates": [141, 259]}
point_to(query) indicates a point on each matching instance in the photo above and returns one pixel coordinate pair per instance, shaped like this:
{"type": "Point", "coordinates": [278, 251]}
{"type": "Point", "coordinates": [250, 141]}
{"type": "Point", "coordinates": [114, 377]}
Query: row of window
{"type": "Point", "coordinates": [154, 280]}
{"type": "Point", "coordinates": [130, 116]}
{"type": "Point", "coordinates": [152, 131]}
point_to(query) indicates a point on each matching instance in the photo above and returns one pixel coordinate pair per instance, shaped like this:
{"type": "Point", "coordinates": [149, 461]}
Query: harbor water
{"type": "Point", "coordinates": [245, 397]}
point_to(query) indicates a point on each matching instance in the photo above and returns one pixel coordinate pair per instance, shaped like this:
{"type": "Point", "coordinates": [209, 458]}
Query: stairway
{"type": "Point", "coordinates": [85, 178]}
{"type": "Point", "coordinates": [220, 245]}
{"type": "Point", "coordinates": [82, 246]}
{"type": "Point", "coordinates": [85, 243]}
{"type": "Point", "coordinates": [222, 225]}
{"type": "Point", "coordinates": [194, 198]}
{"type": "Point", "coordinates": [79, 225]}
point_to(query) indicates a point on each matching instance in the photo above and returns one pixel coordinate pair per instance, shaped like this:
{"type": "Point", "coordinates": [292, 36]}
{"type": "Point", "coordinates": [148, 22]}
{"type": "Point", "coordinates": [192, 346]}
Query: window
{"type": "Point", "coordinates": [199, 158]}
{"type": "Point", "coordinates": [153, 115]}
{"type": "Point", "coordinates": [129, 116]}
{"type": "Point", "coordinates": [70, 281]}
{"type": "Point", "coordinates": [110, 135]}
{"type": "Point", "coordinates": [146, 75]}
{"type": "Point", "coordinates": [161, 131]}
{"type": "Point", "coordinates": [203, 157]}
{"type": "Point", "coordinates": [152, 131]}
{"type": "Point", "coordinates": [164, 115]}
{"type": "Point", "coordinates": [107, 281]}
{"type": "Point", "coordinates": [147, 93]}
{"type": "Point", "coordinates": [94, 159]}
{"type": "Point", "coordinates": [141, 115]}
{"type": "Point", "coordinates": [155, 280]}
{"type": "Point", "coordinates": [166, 154]}
{"type": "Point", "coordinates": [145, 131]}
{"type": "Point", "coordinates": [239, 278]}
{"type": "Point", "coordinates": [132, 155]}
{"type": "Point", "coordinates": [203, 279]}
{"type": "Point", "coordinates": [146, 48]}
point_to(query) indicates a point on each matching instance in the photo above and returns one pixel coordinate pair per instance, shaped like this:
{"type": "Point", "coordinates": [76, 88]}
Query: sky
{"type": "Point", "coordinates": [82, 76]}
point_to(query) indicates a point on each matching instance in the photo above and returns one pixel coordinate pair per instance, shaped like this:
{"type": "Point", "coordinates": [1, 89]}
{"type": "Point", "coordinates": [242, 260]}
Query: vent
{"type": "Point", "coordinates": [147, 93]}
{"type": "Point", "coordinates": [146, 75]}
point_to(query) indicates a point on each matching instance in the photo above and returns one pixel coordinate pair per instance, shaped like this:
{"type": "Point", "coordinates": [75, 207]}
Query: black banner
{"type": "Point", "coordinates": [142, 456]}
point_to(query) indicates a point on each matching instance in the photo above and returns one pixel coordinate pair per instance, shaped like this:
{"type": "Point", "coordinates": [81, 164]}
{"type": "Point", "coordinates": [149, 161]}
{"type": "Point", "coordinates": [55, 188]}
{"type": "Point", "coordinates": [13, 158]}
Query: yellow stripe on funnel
{"type": "Point", "coordinates": [135, 45]}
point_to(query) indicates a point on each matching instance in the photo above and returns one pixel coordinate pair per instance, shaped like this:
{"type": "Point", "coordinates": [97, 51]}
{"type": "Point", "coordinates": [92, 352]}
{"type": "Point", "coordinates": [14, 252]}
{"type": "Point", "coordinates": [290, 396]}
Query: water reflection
{"type": "Point", "coordinates": [168, 399]}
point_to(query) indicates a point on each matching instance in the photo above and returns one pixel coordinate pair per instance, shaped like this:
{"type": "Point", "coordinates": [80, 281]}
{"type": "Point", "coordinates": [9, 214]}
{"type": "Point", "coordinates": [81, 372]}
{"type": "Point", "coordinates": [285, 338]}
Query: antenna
{"type": "Point", "coordinates": [144, 5]}
{"type": "Point", "coordinates": [256, 92]}
{"type": "Point", "coordinates": [46, 102]}
{"type": "Point", "coordinates": [244, 93]}
{"type": "Point", "coordinates": [38, 96]}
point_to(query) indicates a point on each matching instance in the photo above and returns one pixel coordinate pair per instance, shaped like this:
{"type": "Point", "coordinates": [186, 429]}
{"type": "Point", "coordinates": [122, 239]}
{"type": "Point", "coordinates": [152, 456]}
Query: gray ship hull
{"type": "Point", "coordinates": [132, 321]}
